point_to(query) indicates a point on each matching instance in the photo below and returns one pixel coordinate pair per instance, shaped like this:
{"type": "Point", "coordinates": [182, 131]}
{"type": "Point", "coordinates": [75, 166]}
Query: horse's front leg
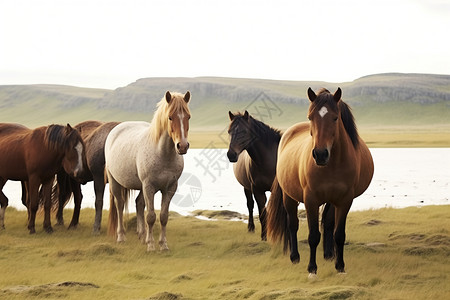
{"type": "Point", "coordinates": [291, 207]}
{"type": "Point", "coordinates": [149, 195]}
{"type": "Point", "coordinates": [339, 235]}
{"type": "Point", "coordinates": [78, 197]}
{"type": "Point", "coordinates": [33, 203]}
{"type": "Point", "coordinates": [99, 188]}
{"type": "Point", "coordinates": [4, 203]}
{"type": "Point", "coordinates": [47, 192]}
{"type": "Point", "coordinates": [164, 215]}
{"type": "Point", "coordinates": [250, 205]}
{"type": "Point", "coordinates": [261, 199]}
{"type": "Point", "coordinates": [312, 213]}
{"type": "Point", "coordinates": [140, 222]}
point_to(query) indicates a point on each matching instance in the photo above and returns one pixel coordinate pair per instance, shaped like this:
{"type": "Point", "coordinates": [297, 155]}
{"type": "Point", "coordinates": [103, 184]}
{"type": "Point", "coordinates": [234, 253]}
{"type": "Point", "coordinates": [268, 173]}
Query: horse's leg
{"type": "Point", "coordinates": [328, 231]}
{"type": "Point", "coordinates": [261, 199]}
{"type": "Point", "coordinates": [140, 208]}
{"type": "Point", "coordinates": [312, 213]}
{"type": "Point", "coordinates": [116, 190]}
{"type": "Point", "coordinates": [47, 192]}
{"type": "Point", "coordinates": [149, 194]}
{"type": "Point", "coordinates": [99, 188]}
{"type": "Point", "coordinates": [77, 198]}
{"type": "Point", "coordinates": [24, 192]}
{"type": "Point", "coordinates": [164, 214]}
{"type": "Point", "coordinates": [33, 204]}
{"type": "Point", "coordinates": [339, 235]}
{"type": "Point", "coordinates": [291, 207]}
{"type": "Point", "coordinates": [3, 203]}
{"type": "Point", "coordinates": [250, 205]}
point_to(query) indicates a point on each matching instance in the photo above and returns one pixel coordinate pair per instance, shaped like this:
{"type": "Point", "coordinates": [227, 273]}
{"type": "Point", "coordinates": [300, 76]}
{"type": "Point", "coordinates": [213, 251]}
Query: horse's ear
{"type": "Point", "coordinates": [246, 115]}
{"type": "Point", "coordinates": [168, 97]}
{"type": "Point", "coordinates": [230, 114]}
{"type": "Point", "coordinates": [337, 95]}
{"type": "Point", "coordinates": [69, 128]}
{"type": "Point", "coordinates": [187, 96]}
{"type": "Point", "coordinates": [311, 95]}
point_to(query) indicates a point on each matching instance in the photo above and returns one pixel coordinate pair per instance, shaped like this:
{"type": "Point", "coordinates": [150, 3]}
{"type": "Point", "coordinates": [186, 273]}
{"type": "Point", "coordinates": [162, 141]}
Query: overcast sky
{"type": "Point", "coordinates": [111, 43]}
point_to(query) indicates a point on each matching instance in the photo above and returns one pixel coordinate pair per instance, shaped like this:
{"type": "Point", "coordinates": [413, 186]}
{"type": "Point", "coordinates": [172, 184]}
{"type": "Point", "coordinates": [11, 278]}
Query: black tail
{"type": "Point", "coordinates": [328, 231]}
{"type": "Point", "coordinates": [277, 224]}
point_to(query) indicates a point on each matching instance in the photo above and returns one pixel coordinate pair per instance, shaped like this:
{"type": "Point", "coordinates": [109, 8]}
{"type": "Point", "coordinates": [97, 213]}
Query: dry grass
{"type": "Point", "coordinates": [391, 254]}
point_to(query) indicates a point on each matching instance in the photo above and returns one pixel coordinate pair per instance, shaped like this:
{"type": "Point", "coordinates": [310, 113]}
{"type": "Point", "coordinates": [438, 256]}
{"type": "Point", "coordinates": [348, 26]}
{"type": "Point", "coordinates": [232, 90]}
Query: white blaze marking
{"type": "Point", "coordinates": [323, 111]}
{"type": "Point", "coordinates": [181, 116]}
{"type": "Point", "coordinates": [79, 148]}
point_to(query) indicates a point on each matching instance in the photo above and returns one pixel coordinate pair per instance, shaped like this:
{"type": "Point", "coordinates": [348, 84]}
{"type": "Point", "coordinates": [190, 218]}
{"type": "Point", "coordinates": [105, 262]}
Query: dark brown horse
{"type": "Point", "coordinates": [34, 156]}
{"type": "Point", "coordinates": [320, 161]}
{"type": "Point", "coordinates": [94, 134]}
{"type": "Point", "coordinates": [253, 148]}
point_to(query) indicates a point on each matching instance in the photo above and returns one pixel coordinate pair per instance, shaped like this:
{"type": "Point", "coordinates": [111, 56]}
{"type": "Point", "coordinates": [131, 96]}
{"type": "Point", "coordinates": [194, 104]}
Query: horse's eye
{"type": "Point", "coordinates": [335, 119]}
{"type": "Point", "coordinates": [170, 118]}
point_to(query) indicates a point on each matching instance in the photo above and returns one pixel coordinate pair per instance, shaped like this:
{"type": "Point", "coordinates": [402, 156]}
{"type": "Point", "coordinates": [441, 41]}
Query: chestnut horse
{"type": "Point", "coordinates": [34, 156]}
{"type": "Point", "coordinates": [320, 161]}
{"type": "Point", "coordinates": [94, 135]}
{"type": "Point", "coordinates": [253, 147]}
{"type": "Point", "coordinates": [147, 157]}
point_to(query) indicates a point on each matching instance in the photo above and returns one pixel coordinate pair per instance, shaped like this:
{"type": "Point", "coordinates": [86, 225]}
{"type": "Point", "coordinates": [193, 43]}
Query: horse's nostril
{"type": "Point", "coordinates": [178, 146]}
{"type": "Point", "coordinates": [188, 145]}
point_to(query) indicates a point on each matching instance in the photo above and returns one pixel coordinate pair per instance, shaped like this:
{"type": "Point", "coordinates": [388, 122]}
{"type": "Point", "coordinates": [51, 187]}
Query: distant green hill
{"type": "Point", "coordinates": [382, 101]}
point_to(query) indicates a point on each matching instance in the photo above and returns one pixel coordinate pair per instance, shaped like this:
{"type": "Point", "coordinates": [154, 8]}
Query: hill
{"type": "Point", "coordinates": [400, 102]}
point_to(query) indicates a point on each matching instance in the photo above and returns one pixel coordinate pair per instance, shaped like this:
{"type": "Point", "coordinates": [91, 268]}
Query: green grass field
{"type": "Point", "coordinates": [391, 254]}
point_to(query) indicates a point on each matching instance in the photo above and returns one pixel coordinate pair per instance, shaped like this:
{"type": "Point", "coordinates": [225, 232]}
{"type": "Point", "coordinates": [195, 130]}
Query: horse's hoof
{"type": "Point", "coordinates": [163, 247]}
{"type": "Point", "coordinates": [295, 259]}
{"type": "Point", "coordinates": [96, 232]}
{"type": "Point", "coordinates": [72, 227]}
{"type": "Point", "coordinates": [121, 238]}
{"type": "Point", "coordinates": [151, 248]}
{"type": "Point", "coordinates": [49, 230]}
{"type": "Point", "coordinates": [341, 273]}
{"type": "Point", "coordinates": [312, 276]}
{"type": "Point", "coordinates": [251, 228]}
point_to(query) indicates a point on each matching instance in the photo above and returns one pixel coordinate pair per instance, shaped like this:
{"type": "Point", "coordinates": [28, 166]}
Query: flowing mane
{"type": "Point", "coordinates": [160, 119]}
{"type": "Point", "coordinates": [58, 137]}
{"type": "Point", "coordinates": [324, 97]}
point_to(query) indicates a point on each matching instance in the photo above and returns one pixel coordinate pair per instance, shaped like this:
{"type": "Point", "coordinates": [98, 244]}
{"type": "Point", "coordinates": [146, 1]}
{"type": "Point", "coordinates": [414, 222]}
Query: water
{"type": "Point", "coordinates": [402, 178]}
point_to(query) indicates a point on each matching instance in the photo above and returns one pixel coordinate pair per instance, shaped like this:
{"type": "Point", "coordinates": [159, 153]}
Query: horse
{"type": "Point", "coordinates": [94, 135]}
{"type": "Point", "coordinates": [147, 157]}
{"type": "Point", "coordinates": [34, 156]}
{"type": "Point", "coordinates": [323, 161]}
{"type": "Point", "coordinates": [253, 148]}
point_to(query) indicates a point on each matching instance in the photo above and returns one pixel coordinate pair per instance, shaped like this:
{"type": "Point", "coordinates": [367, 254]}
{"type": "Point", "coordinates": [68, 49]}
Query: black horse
{"type": "Point", "coordinates": [253, 147]}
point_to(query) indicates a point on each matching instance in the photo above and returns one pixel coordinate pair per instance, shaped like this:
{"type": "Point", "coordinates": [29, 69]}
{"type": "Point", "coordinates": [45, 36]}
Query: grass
{"type": "Point", "coordinates": [391, 254]}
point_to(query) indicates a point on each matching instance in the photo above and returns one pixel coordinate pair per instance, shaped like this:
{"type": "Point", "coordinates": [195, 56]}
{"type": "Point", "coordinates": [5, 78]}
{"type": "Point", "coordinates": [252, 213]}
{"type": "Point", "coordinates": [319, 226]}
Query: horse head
{"type": "Point", "coordinates": [74, 161]}
{"type": "Point", "coordinates": [323, 115]}
{"type": "Point", "coordinates": [240, 134]}
{"type": "Point", "coordinates": [179, 116]}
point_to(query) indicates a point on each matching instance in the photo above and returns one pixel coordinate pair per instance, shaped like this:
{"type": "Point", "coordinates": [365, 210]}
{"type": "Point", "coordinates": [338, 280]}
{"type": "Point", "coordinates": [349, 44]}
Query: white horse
{"type": "Point", "coordinates": [147, 157]}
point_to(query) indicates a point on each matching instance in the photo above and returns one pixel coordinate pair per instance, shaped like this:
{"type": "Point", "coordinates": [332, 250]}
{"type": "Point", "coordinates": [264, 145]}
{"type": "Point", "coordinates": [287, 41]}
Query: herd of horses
{"type": "Point", "coordinates": [319, 162]}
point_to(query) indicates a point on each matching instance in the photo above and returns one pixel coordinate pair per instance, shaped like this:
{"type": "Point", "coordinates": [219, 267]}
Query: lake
{"type": "Point", "coordinates": [403, 177]}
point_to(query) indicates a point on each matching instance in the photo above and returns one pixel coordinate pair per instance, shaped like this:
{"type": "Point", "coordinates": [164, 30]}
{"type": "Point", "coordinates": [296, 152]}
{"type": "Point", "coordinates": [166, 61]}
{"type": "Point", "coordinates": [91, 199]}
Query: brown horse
{"type": "Point", "coordinates": [323, 161]}
{"type": "Point", "coordinates": [34, 157]}
{"type": "Point", "coordinates": [94, 134]}
{"type": "Point", "coordinates": [253, 148]}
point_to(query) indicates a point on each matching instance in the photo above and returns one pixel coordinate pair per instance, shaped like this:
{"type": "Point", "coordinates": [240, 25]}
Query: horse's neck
{"type": "Point", "coordinates": [166, 145]}
{"type": "Point", "coordinates": [342, 145]}
{"type": "Point", "coordinates": [259, 152]}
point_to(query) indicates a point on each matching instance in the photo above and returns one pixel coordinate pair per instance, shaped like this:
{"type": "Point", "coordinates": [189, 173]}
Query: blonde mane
{"type": "Point", "coordinates": [161, 116]}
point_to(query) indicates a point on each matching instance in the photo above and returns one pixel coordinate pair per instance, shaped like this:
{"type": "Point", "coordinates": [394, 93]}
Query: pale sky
{"type": "Point", "coordinates": [111, 43]}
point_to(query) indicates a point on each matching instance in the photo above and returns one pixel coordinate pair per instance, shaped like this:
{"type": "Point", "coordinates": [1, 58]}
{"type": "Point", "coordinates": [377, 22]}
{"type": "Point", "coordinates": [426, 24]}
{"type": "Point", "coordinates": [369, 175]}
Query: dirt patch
{"type": "Point", "coordinates": [166, 296]}
{"type": "Point", "coordinates": [373, 222]}
{"type": "Point", "coordinates": [47, 290]}
{"type": "Point", "coordinates": [219, 214]}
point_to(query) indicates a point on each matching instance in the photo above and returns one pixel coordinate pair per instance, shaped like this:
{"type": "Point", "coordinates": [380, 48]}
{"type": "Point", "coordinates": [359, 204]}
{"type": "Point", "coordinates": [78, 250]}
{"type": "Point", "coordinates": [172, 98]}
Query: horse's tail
{"type": "Point", "coordinates": [61, 191]}
{"type": "Point", "coordinates": [277, 223]}
{"type": "Point", "coordinates": [113, 219]}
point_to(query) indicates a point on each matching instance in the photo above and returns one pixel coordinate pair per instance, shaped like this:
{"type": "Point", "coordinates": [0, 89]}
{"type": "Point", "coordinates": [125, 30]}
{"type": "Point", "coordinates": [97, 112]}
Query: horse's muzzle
{"type": "Point", "coordinates": [182, 148]}
{"type": "Point", "coordinates": [232, 156]}
{"type": "Point", "coordinates": [321, 156]}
